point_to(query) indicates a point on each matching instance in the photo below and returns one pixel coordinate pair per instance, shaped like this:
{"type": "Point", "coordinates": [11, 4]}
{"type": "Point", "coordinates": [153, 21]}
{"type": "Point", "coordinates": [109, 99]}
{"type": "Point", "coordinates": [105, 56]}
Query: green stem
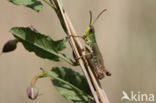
{"type": "Point", "coordinates": [68, 60]}
{"type": "Point", "coordinates": [34, 80]}
{"type": "Point", "coordinates": [47, 2]}
{"type": "Point", "coordinates": [39, 75]}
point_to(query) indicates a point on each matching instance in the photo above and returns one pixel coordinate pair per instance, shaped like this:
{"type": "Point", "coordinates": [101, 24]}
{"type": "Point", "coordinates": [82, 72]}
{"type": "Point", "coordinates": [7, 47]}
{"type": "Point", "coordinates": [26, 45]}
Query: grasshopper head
{"type": "Point", "coordinates": [89, 30]}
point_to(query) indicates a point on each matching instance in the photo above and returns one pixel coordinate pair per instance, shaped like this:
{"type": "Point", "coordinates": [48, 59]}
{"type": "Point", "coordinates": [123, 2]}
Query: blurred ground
{"type": "Point", "coordinates": [125, 34]}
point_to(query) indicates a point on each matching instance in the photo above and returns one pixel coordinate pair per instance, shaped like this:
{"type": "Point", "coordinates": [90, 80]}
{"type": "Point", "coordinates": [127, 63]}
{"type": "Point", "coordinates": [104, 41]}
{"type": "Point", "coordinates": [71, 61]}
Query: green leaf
{"type": "Point", "coordinates": [71, 85]}
{"type": "Point", "coordinates": [33, 4]}
{"type": "Point", "coordinates": [42, 45]}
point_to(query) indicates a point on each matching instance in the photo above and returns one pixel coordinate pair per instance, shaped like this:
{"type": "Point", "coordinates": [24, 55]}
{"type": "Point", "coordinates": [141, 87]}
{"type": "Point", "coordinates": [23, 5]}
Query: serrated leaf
{"type": "Point", "coordinates": [33, 4]}
{"type": "Point", "coordinates": [72, 85]}
{"type": "Point", "coordinates": [42, 45]}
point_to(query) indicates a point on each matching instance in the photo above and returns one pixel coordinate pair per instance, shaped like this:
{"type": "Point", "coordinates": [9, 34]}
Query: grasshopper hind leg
{"type": "Point", "coordinates": [106, 72]}
{"type": "Point", "coordinates": [101, 75]}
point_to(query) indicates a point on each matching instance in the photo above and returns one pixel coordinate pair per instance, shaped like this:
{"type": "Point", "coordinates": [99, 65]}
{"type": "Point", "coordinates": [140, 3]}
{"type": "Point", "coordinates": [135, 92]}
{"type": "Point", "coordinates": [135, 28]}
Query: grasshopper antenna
{"type": "Point", "coordinates": [99, 15]}
{"type": "Point", "coordinates": [90, 22]}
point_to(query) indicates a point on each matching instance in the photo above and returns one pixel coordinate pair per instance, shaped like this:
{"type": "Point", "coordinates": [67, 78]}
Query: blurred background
{"type": "Point", "coordinates": [125, 34]}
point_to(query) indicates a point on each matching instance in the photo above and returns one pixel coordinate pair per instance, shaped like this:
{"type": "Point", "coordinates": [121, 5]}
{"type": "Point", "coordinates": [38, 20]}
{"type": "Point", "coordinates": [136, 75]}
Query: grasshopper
{"type": "Point", "coordinates": [92, 51]}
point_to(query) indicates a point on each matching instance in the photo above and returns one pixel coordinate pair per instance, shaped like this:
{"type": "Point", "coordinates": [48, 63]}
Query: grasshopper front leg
{"type": "Point", "coordinates": [87, 54]}
{"type": "Point", "coordinates": [79, 36]}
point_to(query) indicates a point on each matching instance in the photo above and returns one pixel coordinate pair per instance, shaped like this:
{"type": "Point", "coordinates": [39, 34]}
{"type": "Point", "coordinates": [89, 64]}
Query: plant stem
{"type": "Point", "coordinates": [47, 2]}
{"type": "Point", "coordinates": [68, 60]}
